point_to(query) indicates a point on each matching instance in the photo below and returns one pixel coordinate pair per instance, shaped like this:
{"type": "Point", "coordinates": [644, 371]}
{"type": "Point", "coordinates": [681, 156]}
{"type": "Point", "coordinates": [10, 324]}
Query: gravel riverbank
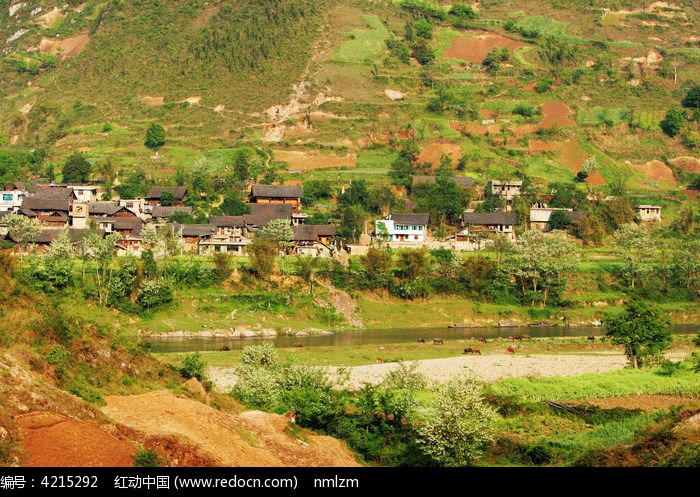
{"type": "Point", "coordinates": [486, 368]}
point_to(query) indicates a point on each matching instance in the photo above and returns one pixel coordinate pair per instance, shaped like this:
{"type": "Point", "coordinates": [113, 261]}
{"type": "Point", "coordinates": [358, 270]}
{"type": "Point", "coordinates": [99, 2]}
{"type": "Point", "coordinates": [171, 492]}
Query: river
{"type": "Point", "coordinates": [380, 336]}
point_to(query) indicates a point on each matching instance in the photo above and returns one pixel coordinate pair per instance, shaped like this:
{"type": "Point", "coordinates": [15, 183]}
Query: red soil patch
{"type": "Point", "coordinates": [692, 194]}
{"type": "Point", "coordinates": [571, 155]}
{"type": "Point", "coordinates": [432, 153]}
{"type": "Point", "coordinates": [474, 49]}
{"type": "Point", "coordinates": [687, 164]}
{"type": "Point", "coordinates": [68, 47]}
{"type": "Point", "coordinates": [306, 161]}
{"type": "Point", "coordinates": [656, 170]}
{"type": "Point", "coordinates": [51, 440]}
{"type": "Point", "coordinates": [556, 114]}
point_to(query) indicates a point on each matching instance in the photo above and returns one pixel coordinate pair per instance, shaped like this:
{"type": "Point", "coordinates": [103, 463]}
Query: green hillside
{"type": "Point", "coordinates": [566, 81]}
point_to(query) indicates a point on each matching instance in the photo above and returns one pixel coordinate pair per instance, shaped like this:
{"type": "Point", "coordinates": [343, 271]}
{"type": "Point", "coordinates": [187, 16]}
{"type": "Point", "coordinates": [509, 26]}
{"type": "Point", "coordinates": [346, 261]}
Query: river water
{"type": "Point", "coordinates": [400, 335]}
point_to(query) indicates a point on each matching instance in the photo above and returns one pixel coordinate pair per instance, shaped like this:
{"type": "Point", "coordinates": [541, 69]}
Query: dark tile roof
{"type": "Point", "coordinates": [261, 214]}
{"type": "Point", "coordinates": [163, 212]}
{"type": "Point", "coordinates": [490, 218]}
{"type": "Point", "coordinates": [311, 232]}
{"type": "Point", "coordinates": [178, 192]}
{"type": "Point", "coordinates": [421, 219]}
{"type": "Point", "coordinates": [195, 230]}
{"type": "Point", "coordinates": [227, 221]}
{"type": "Point", "coordinates": [275, 191]}
{"type": "Point", "coordinates": [463, 181]}
{"type": "Point", "coordinates": [104, 208]}
{"type": "Point", "coordinates": [132, 224]}
{"type": "Point", "coordinates": [49, 199]}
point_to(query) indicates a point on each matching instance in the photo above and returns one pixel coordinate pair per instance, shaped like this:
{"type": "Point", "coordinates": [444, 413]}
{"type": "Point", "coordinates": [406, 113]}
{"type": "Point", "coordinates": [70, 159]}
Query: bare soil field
{"type": "Point", "coordinates": [432, 152]}
{"type": "Point", "coordinates": [307, 161]}
{"type": "Point", "coordinates": [67, 47]}
{"type": "Point", "coordinates": [655, 170]}
{"type": "Point", "coordinates": [475, 48]}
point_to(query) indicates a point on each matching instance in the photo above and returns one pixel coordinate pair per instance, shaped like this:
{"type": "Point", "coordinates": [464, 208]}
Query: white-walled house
{"type": "Point", "coordinates": [649, 212]}
{"type": "Point", "coordinates": [11, 200]}
{"type": "Point", "coordinates": [403, 227]}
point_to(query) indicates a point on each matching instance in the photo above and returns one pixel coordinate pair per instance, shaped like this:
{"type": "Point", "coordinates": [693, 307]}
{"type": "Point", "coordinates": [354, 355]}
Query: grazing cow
{"type": "Point", "coordinates": [481, 339]}
{"type": "Point", "coordinates": [438, 341]}
{"type": "Point", "coordinates": [421, 340]}
{"type": "Point", "coordinates": [297, 344]}
{"type": "Point", "coordinates": [510, 350]}
{"type": "Point", "coordinates": [379, 359]}
{"type": "Point", "coordinates": [526, 337]}
{"type": "Point", "coordinates": [591, 338]}
{"type": "Point", "coordinates": [225, 348]}
{"type": "Point", "coordinates": [468, 350]}
{"type": "Point", "coordinates": [476, 351]}
{"type": "Point", "coordinates": [513, 338]}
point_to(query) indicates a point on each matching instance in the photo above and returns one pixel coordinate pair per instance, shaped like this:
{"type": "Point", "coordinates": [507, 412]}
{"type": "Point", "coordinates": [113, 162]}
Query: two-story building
{"type": "Point", "coordinates": [11, 199]}
{"type": "Point", "coordinates": [540, 214]}
{"type": "Point", "coordinates": [488, 224]}
{"type": "Point", "coordinates": [314, 240]}
{"type": "Point", "coordinates": [51, 205]}
{"type": "Point", "coordinates": [507, 190]}
{"type": "Point", "coordinates": [154, 195]}
{"type": "Point", "coordinates": [403, 227]}
{"type": "Point", "coordinates": [279, 194]}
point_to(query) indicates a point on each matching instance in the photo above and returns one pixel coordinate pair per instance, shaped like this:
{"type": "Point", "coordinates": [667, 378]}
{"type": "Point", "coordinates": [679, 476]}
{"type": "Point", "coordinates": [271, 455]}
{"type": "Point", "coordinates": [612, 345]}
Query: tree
{"type": "Point", "coordinates": [413, 263]}
{"type": "Point", "coordinates": [456, 426]}
{"type": "Point", "coordinates": [23, 230]}
{"type": "Point", "coordinates": [617, 212]}
{"type": "Point", "coordinates": [673, 122]}
{"type": "Point", "coordinates": [308, 266]}
{"type": "Point", "coordinates": [644, 332]}
{"type": "Point", "coordinates": [76, 169]}
{"type": "Point", "coordinates": [692, 98]}
{"type": "Point", "coordinates": [589, 230]}
{"type": "Point", "coordinates": [541, 261]}
{"type": "Point", "coordinates": [233, 206]}
{"type": "Point", "coordinates": [634, 244]}
{"type": "Point", "coordinates": [278, 230]}
{"type": "Point", "coordinates": [560, 220]}
{"type": "Point", "coordinates": [59, 261]}
{"type": "Point", "coordinates": [263, 252]}
{"type": "Point", "coordinates": [377, 264]}
{"type": "Point", "coordinates": [167, 198]}
{"type": "Point", "coordinates": [155, 136]}
{"type": "Point", "coordinates": [684, 222]}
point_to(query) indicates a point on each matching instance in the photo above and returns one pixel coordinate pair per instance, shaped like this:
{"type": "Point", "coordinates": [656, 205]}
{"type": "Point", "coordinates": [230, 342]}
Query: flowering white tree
{"type": "Point", "coordinates": [457, 425]}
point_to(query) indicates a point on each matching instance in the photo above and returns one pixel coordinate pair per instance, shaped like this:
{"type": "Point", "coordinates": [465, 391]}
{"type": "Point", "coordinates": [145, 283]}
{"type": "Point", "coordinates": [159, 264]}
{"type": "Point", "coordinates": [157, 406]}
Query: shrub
{"type": "Point", "coordinates": [264, 354]}
{"type": "Point", "coordinates": [457, 425]}
{"type": "Point", "coordinates": [193, 366]}
{"type": "Point", "coordinates": [155, 292]}
{"type": "Point", "coordinates": [146, 458]}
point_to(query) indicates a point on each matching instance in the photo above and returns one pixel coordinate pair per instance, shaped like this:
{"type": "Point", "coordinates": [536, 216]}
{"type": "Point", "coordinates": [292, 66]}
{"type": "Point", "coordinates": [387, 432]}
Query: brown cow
{"type": "Point", "coordinates": [526, 337]}
{"type": "Point", "coordinates": [438, 341]}
{"type": "Point", "coordinates": [468, 350]}
{"type": "Point", "coordinates": [476, 351]}
{"type": "Point", "coordinates": [481, 339]}
{"type": "Point", "coordinates": [513, 338]}
{"type": "Point", "coordinates": [591, 338]}
{"type": "Point", "coordinates": [297, 344]}
{"type": "Point", "coordinates": [510, 350]}
{"type": "Point", "coordinates": [225, 348]}
{"type": "Point", "coordinates": [379, 359]}
{"type": "Point", "coordinates": [421, 340]}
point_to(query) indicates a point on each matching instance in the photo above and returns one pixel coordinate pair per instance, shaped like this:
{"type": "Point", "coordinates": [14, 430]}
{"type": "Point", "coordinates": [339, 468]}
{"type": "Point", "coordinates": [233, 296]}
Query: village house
{"type": "Point", "coordinates": [649, 212]}
{"type": "Point", "coordinates": [279, 194]}
{"type": "Point", "coordinates": [193, 234]}
{"type": "Point", "coordinates": [51, 205]}
{"type": "Point", "coordinates": [11, 199]}
{"type": "Point", "coordinates": [83, 193]}
{"type": "Point", "coordinates": [487, 224]}
{"type": "Point", "coordinates": [314, 240]}
{"type": "Point", "coordinates": [162, 213]}
{"type": "Point", "coordinates": [540, 215]}
{"type": "Point", "coordinates": [403, 227]}
{"type": "Point", "coordinates": [507, 190]}
{"type": "Point", "coordinates": [154, 195]}
{"type": "Point", "coordinates": [136, 205]}
{"type": "Point", "coordinates": [231, 235]}
{"type": "Point", "coordinates": [130, 230]}
{"type": "Point", "coordinates": [261, 214]}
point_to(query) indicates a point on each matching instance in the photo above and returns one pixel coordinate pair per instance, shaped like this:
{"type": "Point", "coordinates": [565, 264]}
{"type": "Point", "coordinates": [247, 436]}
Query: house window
{"type": "Point", "coordinates": [7, 196]}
